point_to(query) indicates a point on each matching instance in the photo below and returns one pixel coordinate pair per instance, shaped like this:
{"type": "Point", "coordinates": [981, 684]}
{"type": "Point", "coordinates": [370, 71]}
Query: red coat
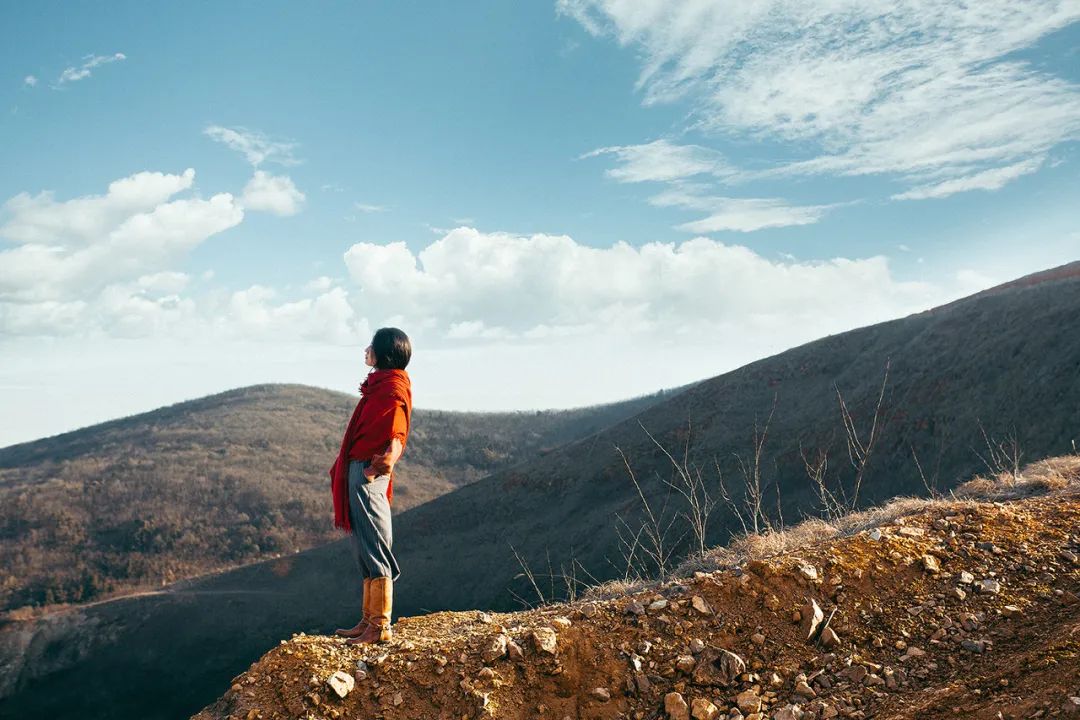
{"type": "Point", "coordinates": [383, 414]}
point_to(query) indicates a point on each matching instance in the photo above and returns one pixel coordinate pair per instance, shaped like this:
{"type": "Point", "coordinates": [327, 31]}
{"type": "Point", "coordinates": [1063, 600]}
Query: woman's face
{"type": "Point", "coordinates": [369, 356]}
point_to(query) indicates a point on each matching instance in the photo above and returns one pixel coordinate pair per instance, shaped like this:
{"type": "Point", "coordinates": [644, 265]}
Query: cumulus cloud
{"type": "Point", "coordinates": [276, 194]}
{"type": "Point", "coordinates": [923, 91]}
{"type": "Point", "coordinates": [255, 146]}
{"type": "Point", "coordinates": [469, 284]}
{"type": "Point", "coordinates": [81, 72]}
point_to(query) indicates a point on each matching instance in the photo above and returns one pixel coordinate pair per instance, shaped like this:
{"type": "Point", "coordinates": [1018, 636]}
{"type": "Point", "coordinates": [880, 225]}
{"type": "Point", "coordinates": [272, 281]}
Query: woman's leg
{"type": "Point", "coordinates": [376, 539]}
{"type": "Point", "coordinates": [355, 511]}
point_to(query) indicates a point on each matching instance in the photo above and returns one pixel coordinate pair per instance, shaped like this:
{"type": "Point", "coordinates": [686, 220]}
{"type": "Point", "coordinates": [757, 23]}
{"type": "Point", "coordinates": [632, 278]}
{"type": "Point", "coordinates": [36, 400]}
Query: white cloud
{"type": "Point", "coordinates": [469, 284]}
{"type": "Point", "coordinates": [992, 179]}
{"type": "Point", "coordinates": [81, 72]}
{"type": "Point", "coordinates": [100, 261]}
{"type": "Point", "coordinates": [737, 214]}
{"type": "Point", "coordinates": [272, 193]}
{"type": "Point", "coordinates": [30, 80]}
{"type": "Point", "coordinates": [662, 160]}
{"type": "Point", "coordinates": [256, 146]}
{"type": "Point", "coordinates": [368, 208]}
{"type": "Point", "coordinates": [918, 90]}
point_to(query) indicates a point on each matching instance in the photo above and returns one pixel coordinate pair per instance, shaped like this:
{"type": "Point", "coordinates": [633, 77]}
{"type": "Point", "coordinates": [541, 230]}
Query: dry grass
{"type": "Point", "coordinates": [1045, 477]}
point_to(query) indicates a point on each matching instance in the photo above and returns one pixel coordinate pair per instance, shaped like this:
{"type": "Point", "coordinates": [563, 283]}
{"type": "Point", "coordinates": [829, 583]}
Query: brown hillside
{"type": "Point", "coordinates": [959, 609]}
{"type": "Point", "coordinates": [225, 480]}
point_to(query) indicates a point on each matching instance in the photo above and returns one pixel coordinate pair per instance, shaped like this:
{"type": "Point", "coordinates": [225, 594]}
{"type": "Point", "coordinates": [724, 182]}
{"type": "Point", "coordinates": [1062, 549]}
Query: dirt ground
{"type": "Point", "coordinates": [963, 610]}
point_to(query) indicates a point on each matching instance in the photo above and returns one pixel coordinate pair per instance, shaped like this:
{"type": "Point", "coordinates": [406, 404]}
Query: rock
{"type": "Point", "coordinates": [696, 646]}
{"type": "Point", "coordinates": [975, 646]}
{"type": "Point", "coordinates": [362, 671]}
{"type": "Point", "coordinates": [911, 532]}
{"type": "Point", "coordinates": [808, 572]}
{"type": "Point", "coordinates": [748, 701]}
{"type": "Point", "coordinates": [588, 610]}
{"type": "Point", "coordinates": [675, 707]}
{"type": "Point", "coordinates": [874, 534]}
{"type": "Point", "coordinates": [989, 585]}
{"type": "Point", "coordinates": [702, 709]}
{"type": "Point", "coordinates": [959, 593]}
{"type": "Point", "coordinates": [495, 649]}
{"type": "Point", "coordinates": [811, 618]}
{"type": "Point", "coordinates": [700, 605]}
{"type": "Point", "coordinates": [758, 639]}
{"type": "Point", "coordinates": [789, 712]}
{"type": "Point", "coordinates": [635, 608]}
{"type": "Point", "coordinates": [1070, 557]}
{"type": "Point", "coordinates": [966, 578]}
{"type": "Point", "coordinates": [544, 640]}
{"type": "Point", "coordinates": [561, 622]}
{"type": "Point", "coordinates": [341, 683]}
{"type": "Point", "coordinates": [486, 673]}
{"type": "Point", "coordinates": [801, 688]}
{"type": "Point", "coordinates": [484, 617]}
{"type": "Point", "coordinates": [601, 694]}
{"type": "Point", "coordinates": [718, 667]}
{"type": "Point", "coordinates": [685, 663]}
{"type": "Point", "coordinates": [829, 638]}
{"type": "Point", "coordinates": [930, 564]}
{"type": "Point", "coordinates": [514, 651]}
{"type": "Point", "coordinates": [1011, 611]}
{"type": "Point", "coordinates": [397, 699]}
{"type": "Point", "coordinates": [657, 605]}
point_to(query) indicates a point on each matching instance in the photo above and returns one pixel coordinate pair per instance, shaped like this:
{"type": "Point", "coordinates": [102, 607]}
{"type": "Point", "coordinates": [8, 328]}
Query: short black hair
{"type": "Point", "coordinates": [392, 349]}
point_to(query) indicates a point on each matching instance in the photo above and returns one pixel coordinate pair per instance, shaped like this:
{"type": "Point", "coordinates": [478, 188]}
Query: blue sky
{"type": "Point", "coordinates": [510, 183]}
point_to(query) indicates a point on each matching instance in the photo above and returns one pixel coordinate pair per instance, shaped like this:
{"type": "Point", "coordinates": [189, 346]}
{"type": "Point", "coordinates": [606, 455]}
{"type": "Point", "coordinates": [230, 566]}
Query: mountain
{"type": "Point", "coordinates": [919, 609]}
{"type": "Point", "coordinates": [225, 480]}
{"type": "Point", "coordinates": [960, 377]}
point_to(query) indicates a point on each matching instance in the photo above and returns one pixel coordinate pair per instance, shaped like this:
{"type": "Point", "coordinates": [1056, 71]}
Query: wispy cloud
{"type": "Point", "coordinates": [986, 180]}
{"type": "Point", "coordinates": [30, 81]}
{"type": "Point", "coordinates": [368, 208]}
{"type": "Point", "coordinates": [737, 214]}
{"type": "Point", "coordinates": [930, 93]}
{"type": "Point", "coordinates": [81, 72]}
{"type": "Point", "coordinates": [257, 147]}
{"type": "Point", "coordinates": [662, 160]}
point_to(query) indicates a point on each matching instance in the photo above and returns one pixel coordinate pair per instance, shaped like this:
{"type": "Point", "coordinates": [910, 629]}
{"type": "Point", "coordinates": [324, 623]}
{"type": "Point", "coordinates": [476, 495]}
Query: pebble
{"type": "Point", "coordinates": [495, 649]}
{"type": "Point", "coordinates": [748, 701]}
{"type": "Point", "coordinates": [635, 608]}
{"type": "Point", "coordinates": [588, 610]}
{"type": "Point", "coordinates": [930, 564]}
{"type": "Point", "coordinates": [700, 605]}
{"type": "Point", "coordinates": [758, 639]}
{"type": "Point", "coordinates": [966, 578]}
{"type": "Point", "coordinates": [675, 707]}
{"type": "Point", "coordinates": [702, 709]}
{"type": "Point", "coordinates": [1011, 611]}
{"type": "Point", "coordinates": [789, 712]}
{"type": "Point", "coordinates": [808, 572]}
{"type": "Point", "coordinates": [657, 605]}
{"type": "Point", "coordinates": [341, 683]}
{"type": "Point", "coordinates": [545, 640]}
{"type": "Point", "coordinates": [811, 618]}
{"type": "Point", "coordinates": [601, 694]}
{"type": "Point", "coordinates": [829, 638]}
{"type": "Point", "coordinates": [560, 622]}
{"type": "Point", "coordinates": [991, 586]}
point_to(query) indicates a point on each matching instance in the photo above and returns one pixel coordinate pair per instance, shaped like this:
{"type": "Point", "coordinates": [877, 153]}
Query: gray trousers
{"type": "Point", "coordinates": [369, 513]}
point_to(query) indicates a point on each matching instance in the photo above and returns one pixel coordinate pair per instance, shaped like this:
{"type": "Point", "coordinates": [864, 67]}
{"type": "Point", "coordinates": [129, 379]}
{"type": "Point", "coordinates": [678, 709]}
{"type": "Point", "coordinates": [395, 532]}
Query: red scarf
{"type": "Point", "coordinates": [384, 412]}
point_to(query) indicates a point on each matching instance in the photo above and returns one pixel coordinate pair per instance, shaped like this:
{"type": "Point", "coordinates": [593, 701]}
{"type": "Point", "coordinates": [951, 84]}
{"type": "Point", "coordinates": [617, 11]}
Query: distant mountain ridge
{"type": "Point", "coordinates": [222, 481]}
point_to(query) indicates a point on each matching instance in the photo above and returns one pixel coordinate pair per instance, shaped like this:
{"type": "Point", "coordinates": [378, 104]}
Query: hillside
{"type": "Point", "coordinates": [968, 608]}
{"type": "Point", "coordinates": [223, 481]}
{"type": "Point", "coordinates": [1002, 359]}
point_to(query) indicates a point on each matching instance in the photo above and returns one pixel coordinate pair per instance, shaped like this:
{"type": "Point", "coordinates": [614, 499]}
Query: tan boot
{"type": "Point", "coordinates": [360, 627]}
{"type": "Point", "coordinates": [380, 610]}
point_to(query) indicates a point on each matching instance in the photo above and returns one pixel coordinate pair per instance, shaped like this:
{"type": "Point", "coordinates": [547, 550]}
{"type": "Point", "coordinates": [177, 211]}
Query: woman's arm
{"type": "Point", "coordinates": [384, 464]}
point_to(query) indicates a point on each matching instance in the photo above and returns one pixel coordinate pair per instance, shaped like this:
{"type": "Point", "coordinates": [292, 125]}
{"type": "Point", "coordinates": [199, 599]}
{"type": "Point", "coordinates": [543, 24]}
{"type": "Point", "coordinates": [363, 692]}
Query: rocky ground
{"type": "Point", "coordinates": [966, 609]}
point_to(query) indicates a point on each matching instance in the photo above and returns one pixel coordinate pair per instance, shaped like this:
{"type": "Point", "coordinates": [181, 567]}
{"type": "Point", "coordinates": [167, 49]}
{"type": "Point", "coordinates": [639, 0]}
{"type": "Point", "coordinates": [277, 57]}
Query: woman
{"type": "Point", "coordinates": [362, 478]}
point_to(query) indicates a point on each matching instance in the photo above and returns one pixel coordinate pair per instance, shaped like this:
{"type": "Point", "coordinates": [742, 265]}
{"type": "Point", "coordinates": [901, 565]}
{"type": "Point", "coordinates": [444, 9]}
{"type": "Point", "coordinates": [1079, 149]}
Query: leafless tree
{"type": "Point", "coordinates": [1001, 457]}
{"type": "Point", "coordinates": [860, 449]}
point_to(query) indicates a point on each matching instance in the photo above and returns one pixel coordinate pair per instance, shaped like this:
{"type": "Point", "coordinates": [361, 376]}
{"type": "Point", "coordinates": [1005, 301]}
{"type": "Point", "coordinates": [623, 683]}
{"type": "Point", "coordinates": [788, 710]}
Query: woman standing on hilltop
{"type": "Point", "coordinates": [362, 478]}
